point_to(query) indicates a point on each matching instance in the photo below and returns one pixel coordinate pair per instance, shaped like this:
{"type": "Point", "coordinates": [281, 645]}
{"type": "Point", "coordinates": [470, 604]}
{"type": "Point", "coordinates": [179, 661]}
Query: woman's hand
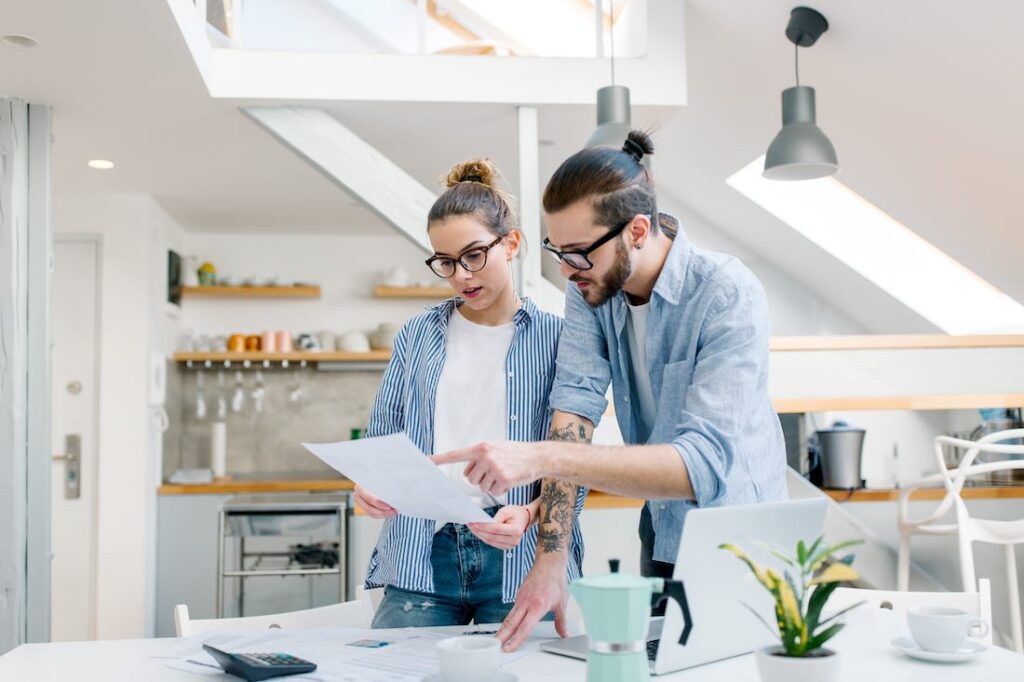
{"type": "Point", "coordinates": [374, 508]}
{"type": "Point", "coordinates": [507, 528]}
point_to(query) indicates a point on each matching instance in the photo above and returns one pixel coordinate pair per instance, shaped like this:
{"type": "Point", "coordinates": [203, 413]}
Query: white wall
{"type": "Point", "coordinates": [133, 233]}
{"type": "Point", "coordinates": [345, 267]}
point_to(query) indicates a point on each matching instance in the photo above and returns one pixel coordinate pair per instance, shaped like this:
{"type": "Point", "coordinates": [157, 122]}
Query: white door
{"type": "Point", "coordinates": [75, 328]}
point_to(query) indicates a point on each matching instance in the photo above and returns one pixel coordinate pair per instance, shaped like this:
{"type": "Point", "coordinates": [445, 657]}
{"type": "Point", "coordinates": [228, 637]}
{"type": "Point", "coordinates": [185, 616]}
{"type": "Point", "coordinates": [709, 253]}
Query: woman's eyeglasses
{"type": "Point", "coordinates": [577, 259]}
{"type": "Point", "coordinates": [471, 260]}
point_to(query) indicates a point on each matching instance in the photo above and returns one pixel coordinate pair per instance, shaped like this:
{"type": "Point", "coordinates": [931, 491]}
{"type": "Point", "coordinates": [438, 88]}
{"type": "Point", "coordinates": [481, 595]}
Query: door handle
{"type": "Point", "coordinates": [72, 459]}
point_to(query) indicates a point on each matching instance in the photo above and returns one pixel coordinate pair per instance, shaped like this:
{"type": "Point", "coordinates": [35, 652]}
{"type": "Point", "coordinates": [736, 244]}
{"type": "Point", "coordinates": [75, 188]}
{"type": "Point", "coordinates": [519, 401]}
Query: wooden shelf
{"type": "Point", "coordinates": [294, 356]}
{"type": "Point", "coordinates": [251, 292]}
{"type": "Point", "coordinates": [908, 402]}
{"type": "Point", "coordinates": [994, 492]}
{"type": "Point", "coordinates": [412, 292]}
{"type": "Point", "coordinates": [895, 342]}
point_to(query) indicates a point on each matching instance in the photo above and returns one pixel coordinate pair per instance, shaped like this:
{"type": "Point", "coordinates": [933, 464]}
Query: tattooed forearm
{"type": "Point", "coordinates": [556, 515]}
{"type": "Point", "coordinates": [572, 432]}
{"type": "Point", "coordinates": [557, 498]}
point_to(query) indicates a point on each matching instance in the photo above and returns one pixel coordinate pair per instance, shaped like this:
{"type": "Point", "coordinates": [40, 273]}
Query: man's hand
{"type": "Point", "coordinates": [506, 530]}
{"type": "Point", "coordinates": [497, 467]}
{"type": "Point", "coordinates": [545, 589]}
{"type": "Point", "coordinates": [374, 508]}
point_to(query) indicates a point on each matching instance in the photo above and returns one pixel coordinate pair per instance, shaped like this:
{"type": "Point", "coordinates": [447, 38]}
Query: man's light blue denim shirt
{"type": "Point", "coordinates": [707, 354]}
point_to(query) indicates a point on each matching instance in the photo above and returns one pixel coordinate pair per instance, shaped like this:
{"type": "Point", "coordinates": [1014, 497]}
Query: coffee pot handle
{"type": "Point", "coordinates": [674, 590]}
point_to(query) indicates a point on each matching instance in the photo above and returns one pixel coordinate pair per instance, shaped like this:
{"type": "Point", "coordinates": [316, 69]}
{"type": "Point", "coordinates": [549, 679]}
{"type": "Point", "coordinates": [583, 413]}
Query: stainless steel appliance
{"type": "Point", "coordinates": [1011, 420]}
{"type": "Point", "coordinates": [840, 453]}
{"type": "Point", "coordinates": [264, 538]}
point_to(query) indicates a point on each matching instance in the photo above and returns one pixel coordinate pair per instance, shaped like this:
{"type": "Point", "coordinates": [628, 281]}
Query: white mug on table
{"type": "Point", "coordinates": [943, 630]}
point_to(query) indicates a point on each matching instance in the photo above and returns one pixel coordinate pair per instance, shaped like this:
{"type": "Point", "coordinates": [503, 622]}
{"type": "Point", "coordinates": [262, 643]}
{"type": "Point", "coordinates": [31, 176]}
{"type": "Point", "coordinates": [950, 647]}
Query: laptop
{"type": "Point", "coordinates": [718, 585]}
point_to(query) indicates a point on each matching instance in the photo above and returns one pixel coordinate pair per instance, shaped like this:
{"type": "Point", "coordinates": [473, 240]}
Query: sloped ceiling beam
{"type": "Point", "coordinates": [354, 165]}
{"type": "Point", "coordinates": [392, 194]}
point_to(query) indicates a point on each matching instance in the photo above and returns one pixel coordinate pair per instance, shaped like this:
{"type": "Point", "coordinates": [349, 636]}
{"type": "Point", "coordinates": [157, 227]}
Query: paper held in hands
{"type": "Point", "coordinates": [393, 469]}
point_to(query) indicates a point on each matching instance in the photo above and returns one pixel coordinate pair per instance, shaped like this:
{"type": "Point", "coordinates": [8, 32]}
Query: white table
{"type": "Point", "coordinates": [865, 646]}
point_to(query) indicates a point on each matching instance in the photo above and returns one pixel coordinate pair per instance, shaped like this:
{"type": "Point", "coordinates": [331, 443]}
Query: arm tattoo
{"type": "Point", "coordinates": [556, 516]}
{"type": "Point", "coordinates": [557, 497]}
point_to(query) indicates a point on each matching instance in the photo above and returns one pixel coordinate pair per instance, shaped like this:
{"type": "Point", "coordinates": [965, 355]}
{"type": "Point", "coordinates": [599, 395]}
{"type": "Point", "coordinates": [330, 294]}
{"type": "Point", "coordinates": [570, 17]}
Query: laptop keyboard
{"type": "Point", "coordinates": [652, 649]}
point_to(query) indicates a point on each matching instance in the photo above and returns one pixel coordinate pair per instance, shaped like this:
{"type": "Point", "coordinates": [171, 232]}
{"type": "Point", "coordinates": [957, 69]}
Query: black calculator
{"type": "Point", "coordinates": [254, 667]}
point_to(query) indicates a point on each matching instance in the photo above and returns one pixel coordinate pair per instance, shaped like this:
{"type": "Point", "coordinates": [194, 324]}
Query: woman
{"type": "Point", "coordinates": [475, 368]}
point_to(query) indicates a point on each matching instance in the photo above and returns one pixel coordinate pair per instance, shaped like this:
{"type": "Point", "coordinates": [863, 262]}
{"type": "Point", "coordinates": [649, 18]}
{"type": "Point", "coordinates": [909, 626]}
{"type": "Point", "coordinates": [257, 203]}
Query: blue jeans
{"type": "Point", "coordinates": [467, 585]}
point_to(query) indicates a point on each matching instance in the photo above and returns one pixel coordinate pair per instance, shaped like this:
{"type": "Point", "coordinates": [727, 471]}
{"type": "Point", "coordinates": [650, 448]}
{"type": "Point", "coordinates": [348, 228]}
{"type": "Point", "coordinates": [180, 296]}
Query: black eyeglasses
{"type": "Point", "coordinates": [471, 260]}
{"type": "Point", "coordinates": [577, 259]}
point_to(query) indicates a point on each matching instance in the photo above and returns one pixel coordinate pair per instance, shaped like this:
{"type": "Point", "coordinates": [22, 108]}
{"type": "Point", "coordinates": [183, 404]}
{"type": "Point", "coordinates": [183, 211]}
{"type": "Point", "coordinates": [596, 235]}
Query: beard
{"type": "Point", "coordinates": [598, 293]}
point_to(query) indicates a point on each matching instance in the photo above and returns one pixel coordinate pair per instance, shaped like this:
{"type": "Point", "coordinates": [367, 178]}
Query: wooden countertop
{"type": "Point", "coordinates": [229, 486]}
{"type": "Point", "coordinates": [994, 492]}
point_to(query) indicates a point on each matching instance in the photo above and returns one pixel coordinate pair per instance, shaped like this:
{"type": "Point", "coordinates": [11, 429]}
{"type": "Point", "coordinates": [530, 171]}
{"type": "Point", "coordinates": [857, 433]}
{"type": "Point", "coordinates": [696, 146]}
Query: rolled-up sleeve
{"type": "Point", "coordinates": [727, 391]}
{"type": "Point", "coordinates": [583, 373]}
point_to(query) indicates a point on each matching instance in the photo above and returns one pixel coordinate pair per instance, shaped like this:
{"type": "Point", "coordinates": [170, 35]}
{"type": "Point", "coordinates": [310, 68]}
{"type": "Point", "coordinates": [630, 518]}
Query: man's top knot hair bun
{"type": "Point", "coordinates": [474, 170]}
{"type": "Point", "coordinates": [637, 144]}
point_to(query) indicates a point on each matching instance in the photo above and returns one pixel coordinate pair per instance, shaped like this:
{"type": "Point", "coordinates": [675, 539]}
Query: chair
{"type": "Point", "coordinates": [968, 530]}
{"type": "Point", "coordinates": [355, 614]}
{"type": "Point", "coordinates": [977, 604]}
{"type": "Point", "coordinates": [372, 598]}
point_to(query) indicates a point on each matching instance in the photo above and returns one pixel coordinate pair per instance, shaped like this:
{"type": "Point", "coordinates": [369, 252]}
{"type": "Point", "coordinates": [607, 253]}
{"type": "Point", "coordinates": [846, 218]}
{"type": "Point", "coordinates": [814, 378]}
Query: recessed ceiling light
{"type": "Point", "coordinates": [18, 40]}
{"type": "Point", "coordinates": [101, 164]}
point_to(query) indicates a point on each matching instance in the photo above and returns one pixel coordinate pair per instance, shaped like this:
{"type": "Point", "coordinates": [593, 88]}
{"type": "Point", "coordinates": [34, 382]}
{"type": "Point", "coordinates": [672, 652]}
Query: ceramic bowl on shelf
{"type": "Point", "coordinates": [383, 338]}
{"type": "Point", "coordinates": [354, 342]}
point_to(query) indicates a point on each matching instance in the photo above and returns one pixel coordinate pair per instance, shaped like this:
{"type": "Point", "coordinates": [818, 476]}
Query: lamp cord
{"type": "Point", "coordinates": [611, 38]}
{"type": "Point", "coordinates": [796, 62]}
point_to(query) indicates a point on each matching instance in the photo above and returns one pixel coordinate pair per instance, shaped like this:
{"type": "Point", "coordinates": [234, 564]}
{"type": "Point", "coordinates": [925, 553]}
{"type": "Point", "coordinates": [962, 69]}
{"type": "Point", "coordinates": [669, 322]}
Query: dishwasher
{"type": "Point", "coordinates": [280, 553]}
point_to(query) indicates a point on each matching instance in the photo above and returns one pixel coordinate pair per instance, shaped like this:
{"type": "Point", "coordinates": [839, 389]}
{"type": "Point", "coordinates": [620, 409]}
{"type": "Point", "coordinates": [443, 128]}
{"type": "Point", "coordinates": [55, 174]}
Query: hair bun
{"type": "Point", "coordinates": [637, 144]}
{"type": "Point", "coordinates": [473, 170]}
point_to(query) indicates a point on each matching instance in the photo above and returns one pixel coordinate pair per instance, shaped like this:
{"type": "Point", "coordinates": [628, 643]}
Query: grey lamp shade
{"type": "Point", "coordinates": [612, 117]}
{"type": "Point", "coordinates": [800, 151]}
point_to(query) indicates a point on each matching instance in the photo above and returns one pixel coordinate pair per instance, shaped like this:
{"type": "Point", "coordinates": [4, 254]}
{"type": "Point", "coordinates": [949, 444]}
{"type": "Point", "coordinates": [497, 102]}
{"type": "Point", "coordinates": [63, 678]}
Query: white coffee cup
{"type": "Point", "coordinates": [468, 659]}
{"type": "Point", "coordinates": [942, 629]}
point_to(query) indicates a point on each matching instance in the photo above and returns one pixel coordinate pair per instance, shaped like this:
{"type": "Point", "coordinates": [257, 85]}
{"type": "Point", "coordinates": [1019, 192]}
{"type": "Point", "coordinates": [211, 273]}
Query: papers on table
{"type": "Point", "coordinates": [396, 471]}
{"type": "Point", "coordinates": [411, 653]}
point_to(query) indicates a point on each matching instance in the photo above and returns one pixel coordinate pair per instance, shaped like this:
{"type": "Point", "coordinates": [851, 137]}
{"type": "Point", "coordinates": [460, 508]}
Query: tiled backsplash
{"type": "Point", "coordinates": [329, 406]}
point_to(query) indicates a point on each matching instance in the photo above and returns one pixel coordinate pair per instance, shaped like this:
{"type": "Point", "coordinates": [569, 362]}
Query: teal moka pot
{"type": "Point", "coordinates": [616, 611]}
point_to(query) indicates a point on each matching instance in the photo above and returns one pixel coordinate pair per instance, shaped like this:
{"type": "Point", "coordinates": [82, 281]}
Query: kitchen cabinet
{"type": "Point", "coordinates": [186, 557]}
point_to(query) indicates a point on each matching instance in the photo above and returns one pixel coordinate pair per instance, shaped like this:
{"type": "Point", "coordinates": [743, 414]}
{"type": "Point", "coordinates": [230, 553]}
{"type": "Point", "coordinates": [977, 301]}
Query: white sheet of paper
{"type": "Point", "coordinates": [396, 471]}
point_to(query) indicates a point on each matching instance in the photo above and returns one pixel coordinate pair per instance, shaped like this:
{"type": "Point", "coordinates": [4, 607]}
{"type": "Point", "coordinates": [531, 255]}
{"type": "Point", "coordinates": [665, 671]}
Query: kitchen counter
{"type": "Point", "coordinates": [285, 483]}
{"type": "Point", "coordinates": [979, 492]}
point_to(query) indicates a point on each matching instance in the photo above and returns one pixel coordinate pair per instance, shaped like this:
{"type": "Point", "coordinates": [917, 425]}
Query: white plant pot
{"type": "Point", "coordinates": [778, 668]}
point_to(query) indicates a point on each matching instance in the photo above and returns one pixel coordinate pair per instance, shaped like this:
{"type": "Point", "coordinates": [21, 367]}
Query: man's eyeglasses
{"type": "Point", "coordinates": [471, 260]}
{"type": "Point", "coordinates": [577, 259]}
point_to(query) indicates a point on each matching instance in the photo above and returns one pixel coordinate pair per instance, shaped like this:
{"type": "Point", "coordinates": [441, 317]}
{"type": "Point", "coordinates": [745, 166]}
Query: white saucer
{"type": "Point", "coordinates": [969, 650]}
{"type": "Point", "coordinates": [500, 676]}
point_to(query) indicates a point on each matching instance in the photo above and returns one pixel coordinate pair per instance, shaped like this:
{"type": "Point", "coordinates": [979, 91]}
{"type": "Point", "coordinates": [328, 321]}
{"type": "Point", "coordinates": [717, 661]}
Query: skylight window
{"type": "Point", "coordinates": [884, 251]}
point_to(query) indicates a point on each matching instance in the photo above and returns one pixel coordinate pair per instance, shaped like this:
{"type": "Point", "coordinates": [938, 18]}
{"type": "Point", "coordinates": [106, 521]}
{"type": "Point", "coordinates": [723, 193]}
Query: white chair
{"type": "Point", "coordinates": [355, 614]}
{"type": "Point", "coordinates": [372, 597]}
{"type": "Point", "coordinates": [967, 529]}
{"type": "Point", "coordinates": [977, 604]}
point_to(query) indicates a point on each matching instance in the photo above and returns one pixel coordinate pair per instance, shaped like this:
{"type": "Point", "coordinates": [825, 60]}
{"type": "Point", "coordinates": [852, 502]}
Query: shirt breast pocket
{"type": "Point", "coordinates": [675, 382]}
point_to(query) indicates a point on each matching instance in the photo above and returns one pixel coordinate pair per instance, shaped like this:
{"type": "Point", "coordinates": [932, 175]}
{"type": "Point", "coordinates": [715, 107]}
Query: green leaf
{"type": "Point", "coordinates": [801, 552]}
{"type": "Point", "coordinates": [819, 640]}
{"type": "Point", "coordinates": [816, 603]}
{"type": "Point", "coordinates": [842, 612]}
{"type": "Point", "coordinates": [818, 559]}
{"type": "Point", "coordinates": [775, 552]}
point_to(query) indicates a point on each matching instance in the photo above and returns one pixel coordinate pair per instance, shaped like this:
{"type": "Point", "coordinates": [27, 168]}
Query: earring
{"type": "Point", "coordinates": [638, 246]}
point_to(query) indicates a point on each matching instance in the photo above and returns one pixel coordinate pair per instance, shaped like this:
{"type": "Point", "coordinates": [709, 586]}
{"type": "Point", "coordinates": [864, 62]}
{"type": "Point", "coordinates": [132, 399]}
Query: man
{"type": "Point", "coordinates": [682, 336]}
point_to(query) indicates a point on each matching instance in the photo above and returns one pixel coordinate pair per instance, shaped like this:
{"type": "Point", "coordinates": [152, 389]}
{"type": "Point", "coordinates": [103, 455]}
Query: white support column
{"type": "Point", "coordinates": [37, 418]}
{"type": "Point", "coordinates": [24, 378]}
{"type": "Point", "coordinates": [531, 280]}
{"type": "Point", "coordinates": [352, 164]}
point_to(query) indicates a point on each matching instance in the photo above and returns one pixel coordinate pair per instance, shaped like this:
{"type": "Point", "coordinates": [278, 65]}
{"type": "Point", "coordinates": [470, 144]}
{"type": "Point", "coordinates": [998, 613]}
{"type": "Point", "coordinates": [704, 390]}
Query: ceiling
{"type": "Point", "coordinates": [925, 118]}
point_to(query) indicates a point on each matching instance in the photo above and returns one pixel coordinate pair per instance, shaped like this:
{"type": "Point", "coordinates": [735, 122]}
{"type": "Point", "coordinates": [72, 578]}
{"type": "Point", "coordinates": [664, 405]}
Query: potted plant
{"type": "Point", "coordinates": [800, 594]}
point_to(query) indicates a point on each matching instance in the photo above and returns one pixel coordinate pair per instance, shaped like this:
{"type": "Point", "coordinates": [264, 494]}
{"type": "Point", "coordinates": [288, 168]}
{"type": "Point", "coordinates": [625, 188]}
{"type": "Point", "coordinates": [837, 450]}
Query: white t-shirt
{"type": "Point", "coordinates": [636, 330]}
{"type": "Point", "coordinates": [472, 402]}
